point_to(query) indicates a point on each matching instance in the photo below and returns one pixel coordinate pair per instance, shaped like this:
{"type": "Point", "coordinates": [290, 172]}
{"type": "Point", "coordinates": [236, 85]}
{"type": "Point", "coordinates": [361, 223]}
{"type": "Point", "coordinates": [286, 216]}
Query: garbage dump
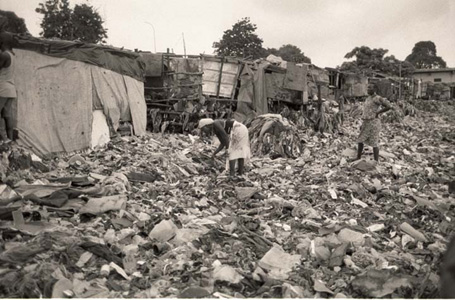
{"type": "Point", "coordinates": [155, 216]}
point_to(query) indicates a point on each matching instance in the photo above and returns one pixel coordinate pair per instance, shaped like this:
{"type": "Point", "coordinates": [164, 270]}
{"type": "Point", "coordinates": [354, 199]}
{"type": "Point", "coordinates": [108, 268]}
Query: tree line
{"type": "Point", "coordinates": [83, 23]}
{"type": "Point", "coordinates": [242, 41]}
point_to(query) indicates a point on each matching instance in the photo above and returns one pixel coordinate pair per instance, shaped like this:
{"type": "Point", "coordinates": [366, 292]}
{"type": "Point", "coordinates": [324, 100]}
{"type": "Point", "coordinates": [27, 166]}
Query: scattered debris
{"type": "Point", "coordinates": [380, 283]}
{"type": "Point", "coordinates": [155, 216]}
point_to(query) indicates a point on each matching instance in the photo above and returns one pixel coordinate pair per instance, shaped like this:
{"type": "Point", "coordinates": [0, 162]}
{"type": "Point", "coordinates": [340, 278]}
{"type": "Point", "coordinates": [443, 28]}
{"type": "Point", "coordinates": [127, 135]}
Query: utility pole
{"type": "Point", "coordinates": [154, 39]}
{"type": "Point", "coordinates": [184, 46]}
{"type": "Point", "coordinates": [399, 89]}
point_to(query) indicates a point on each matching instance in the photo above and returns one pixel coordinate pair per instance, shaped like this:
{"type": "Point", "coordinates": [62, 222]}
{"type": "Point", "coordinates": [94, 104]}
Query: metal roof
{"type": "Point", "coordinates": [434, 70]}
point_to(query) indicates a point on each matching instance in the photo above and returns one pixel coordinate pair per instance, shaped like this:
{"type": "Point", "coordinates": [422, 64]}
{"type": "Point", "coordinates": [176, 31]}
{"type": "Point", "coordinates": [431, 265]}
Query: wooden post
{"type": "Point", "coordinates": [236, 84]}
{"type": "Point", "coordinates": [305, 86]}
{"type": "Point", "coordinates": [169, 67]}
{"type": "Point", "coordinates": [219, 78]}
{"type": "Point", "coordinates": [184, 45]}
{"type": "Point", "coordinates": [399, 92]}
{"type": "Point", "coordinates": [305, 89]}
{"type": "Point", "coordinates": [319, 95]}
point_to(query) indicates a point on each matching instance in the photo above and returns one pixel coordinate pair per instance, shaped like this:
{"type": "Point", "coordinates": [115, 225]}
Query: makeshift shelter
{"type": "Point", "coordinates": [207, 75]}
{"type": "Point", "coordinates": [263, 82]}
{"type": "Point", "coordinates": [173, 89]}
{"type": "Point", "coordinates": [178, 88]}
{"type": "Point", "coordinates": [72, 95]}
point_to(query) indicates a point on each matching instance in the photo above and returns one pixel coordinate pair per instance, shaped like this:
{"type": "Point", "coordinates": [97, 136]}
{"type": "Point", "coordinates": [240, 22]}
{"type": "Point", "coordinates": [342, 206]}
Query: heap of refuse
{"type": "Point", "coordinates": [156, 216]}
{"type": "Point", "coordinates": [273, 135]}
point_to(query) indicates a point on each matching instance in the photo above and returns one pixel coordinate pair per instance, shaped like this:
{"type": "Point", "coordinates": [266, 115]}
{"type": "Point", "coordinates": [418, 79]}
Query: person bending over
{"type": "Point", "coordinates": [234, 137]}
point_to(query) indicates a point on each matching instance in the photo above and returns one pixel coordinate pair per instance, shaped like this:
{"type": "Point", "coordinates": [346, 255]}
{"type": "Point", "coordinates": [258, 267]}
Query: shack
{"type": "Point", "coordinates": [73, 96]}
{"type": "Point", "coordinates": [266, 86]}
{"type": "Point", "coordinates": [180, 88]}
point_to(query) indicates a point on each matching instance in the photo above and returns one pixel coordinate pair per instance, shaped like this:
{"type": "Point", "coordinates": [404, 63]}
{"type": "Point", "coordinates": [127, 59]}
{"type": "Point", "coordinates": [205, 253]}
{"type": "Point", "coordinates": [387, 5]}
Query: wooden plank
{"type": "Point", "coordinates": [228, 78]}
{"type": "Point", "coordinates": [212, 74]}
{"type": "Point", "coordinates": [185, 73]}
{"type": "Point", "coordinates": [158, 104]}
{"type": "Point", "coordinates": [236, 82]}
{"type": "Point", "coordinates": [174, 86]}
{"type": "Point", "coordinates": [157, 88]}
{"type": "Point", "coordinates": [225, 100]}
{"type": "Point", "coordinates": [168, 54]}
{"type": "Point", "coordinates": [170, 112]}
{"type": "Point", "coordinates": [172, 99]}
{"type": "Point", "coordinates": [229, 59]}
{"type": "Point", "coordinates": [219, 78]}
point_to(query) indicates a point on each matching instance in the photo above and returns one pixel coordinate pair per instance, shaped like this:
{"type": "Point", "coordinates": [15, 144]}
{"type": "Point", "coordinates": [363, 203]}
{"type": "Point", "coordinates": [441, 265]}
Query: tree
{"type": "Point", "coordinates": [240, 41]}
{"type": "Point", "coordinates": [10, 22]}
{"type": "Point", "coordinates": [369, 60]}
{"type": "Point", "coordinates": [88, 25]}
{"type": "Point", "coordinates": [289, 53]}
{"type": "Point", "coordinates": [56, 21]}
{"type": "Point", "coordinates": [60, 21]}
{"type": "Point", "coordinates": [424, 56]}
{"type": "Point", "coordinates": [396, 67]}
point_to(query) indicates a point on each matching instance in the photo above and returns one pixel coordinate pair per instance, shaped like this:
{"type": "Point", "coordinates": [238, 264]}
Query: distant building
{"type": "Point", "coordinates": [435, 83]}
{"type": "Point", "coordinates": [435, 75]}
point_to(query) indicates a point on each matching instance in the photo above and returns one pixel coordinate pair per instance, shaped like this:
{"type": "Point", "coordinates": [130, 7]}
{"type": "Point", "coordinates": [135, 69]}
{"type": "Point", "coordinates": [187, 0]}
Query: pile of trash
{"type": "Point", "coordinates": [273, 135]}
{"type": "Point", "coordinates": [328, 118]}
{"type": "Point", "coordinates": [399, 111]}
{"type": "Point", "coordinates": [446, 108]}
{"type": "Point", "coordinates": [156, 216]}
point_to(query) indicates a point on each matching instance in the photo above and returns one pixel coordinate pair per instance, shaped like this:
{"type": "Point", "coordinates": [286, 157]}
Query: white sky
{"type": "Point", "coordinates": [325, 30]}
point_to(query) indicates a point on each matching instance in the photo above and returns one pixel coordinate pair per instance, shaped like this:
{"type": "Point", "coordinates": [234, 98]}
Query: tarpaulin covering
{"type": "Point", "coordinates": [111, 91]}
{"type": "Point", "coordinates": [54, 103]}
{"type": "Point", "coordinates": [120, 61]}
{"type": "Point", "coordinates": [138, 107]}
{"type": "Point", "coordinates": [260, 94]}
{"type": "Point", "coordinates": [153, 64]}
{"type": "Point", "coordinates": [273, 85]}
{"type": "Point", "coordinates": [57, 96]}
{"type": "Point", "coordinates": [252, 99]}
{"type": "Point", "coordinates": [100, 129]}
{"type": "Point", "coordinates": [265, 80]}
{"type": "Point", "coordinates": [245, 108]}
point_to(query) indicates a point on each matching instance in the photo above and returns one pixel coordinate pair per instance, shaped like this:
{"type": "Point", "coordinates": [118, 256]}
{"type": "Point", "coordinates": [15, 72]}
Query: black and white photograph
{"type": "Point", "coordinates": [227, 149]}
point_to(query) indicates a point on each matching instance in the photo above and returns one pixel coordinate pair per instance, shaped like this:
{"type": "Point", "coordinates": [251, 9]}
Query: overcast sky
{"type": "Point", "coordinates": [325, 30]}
